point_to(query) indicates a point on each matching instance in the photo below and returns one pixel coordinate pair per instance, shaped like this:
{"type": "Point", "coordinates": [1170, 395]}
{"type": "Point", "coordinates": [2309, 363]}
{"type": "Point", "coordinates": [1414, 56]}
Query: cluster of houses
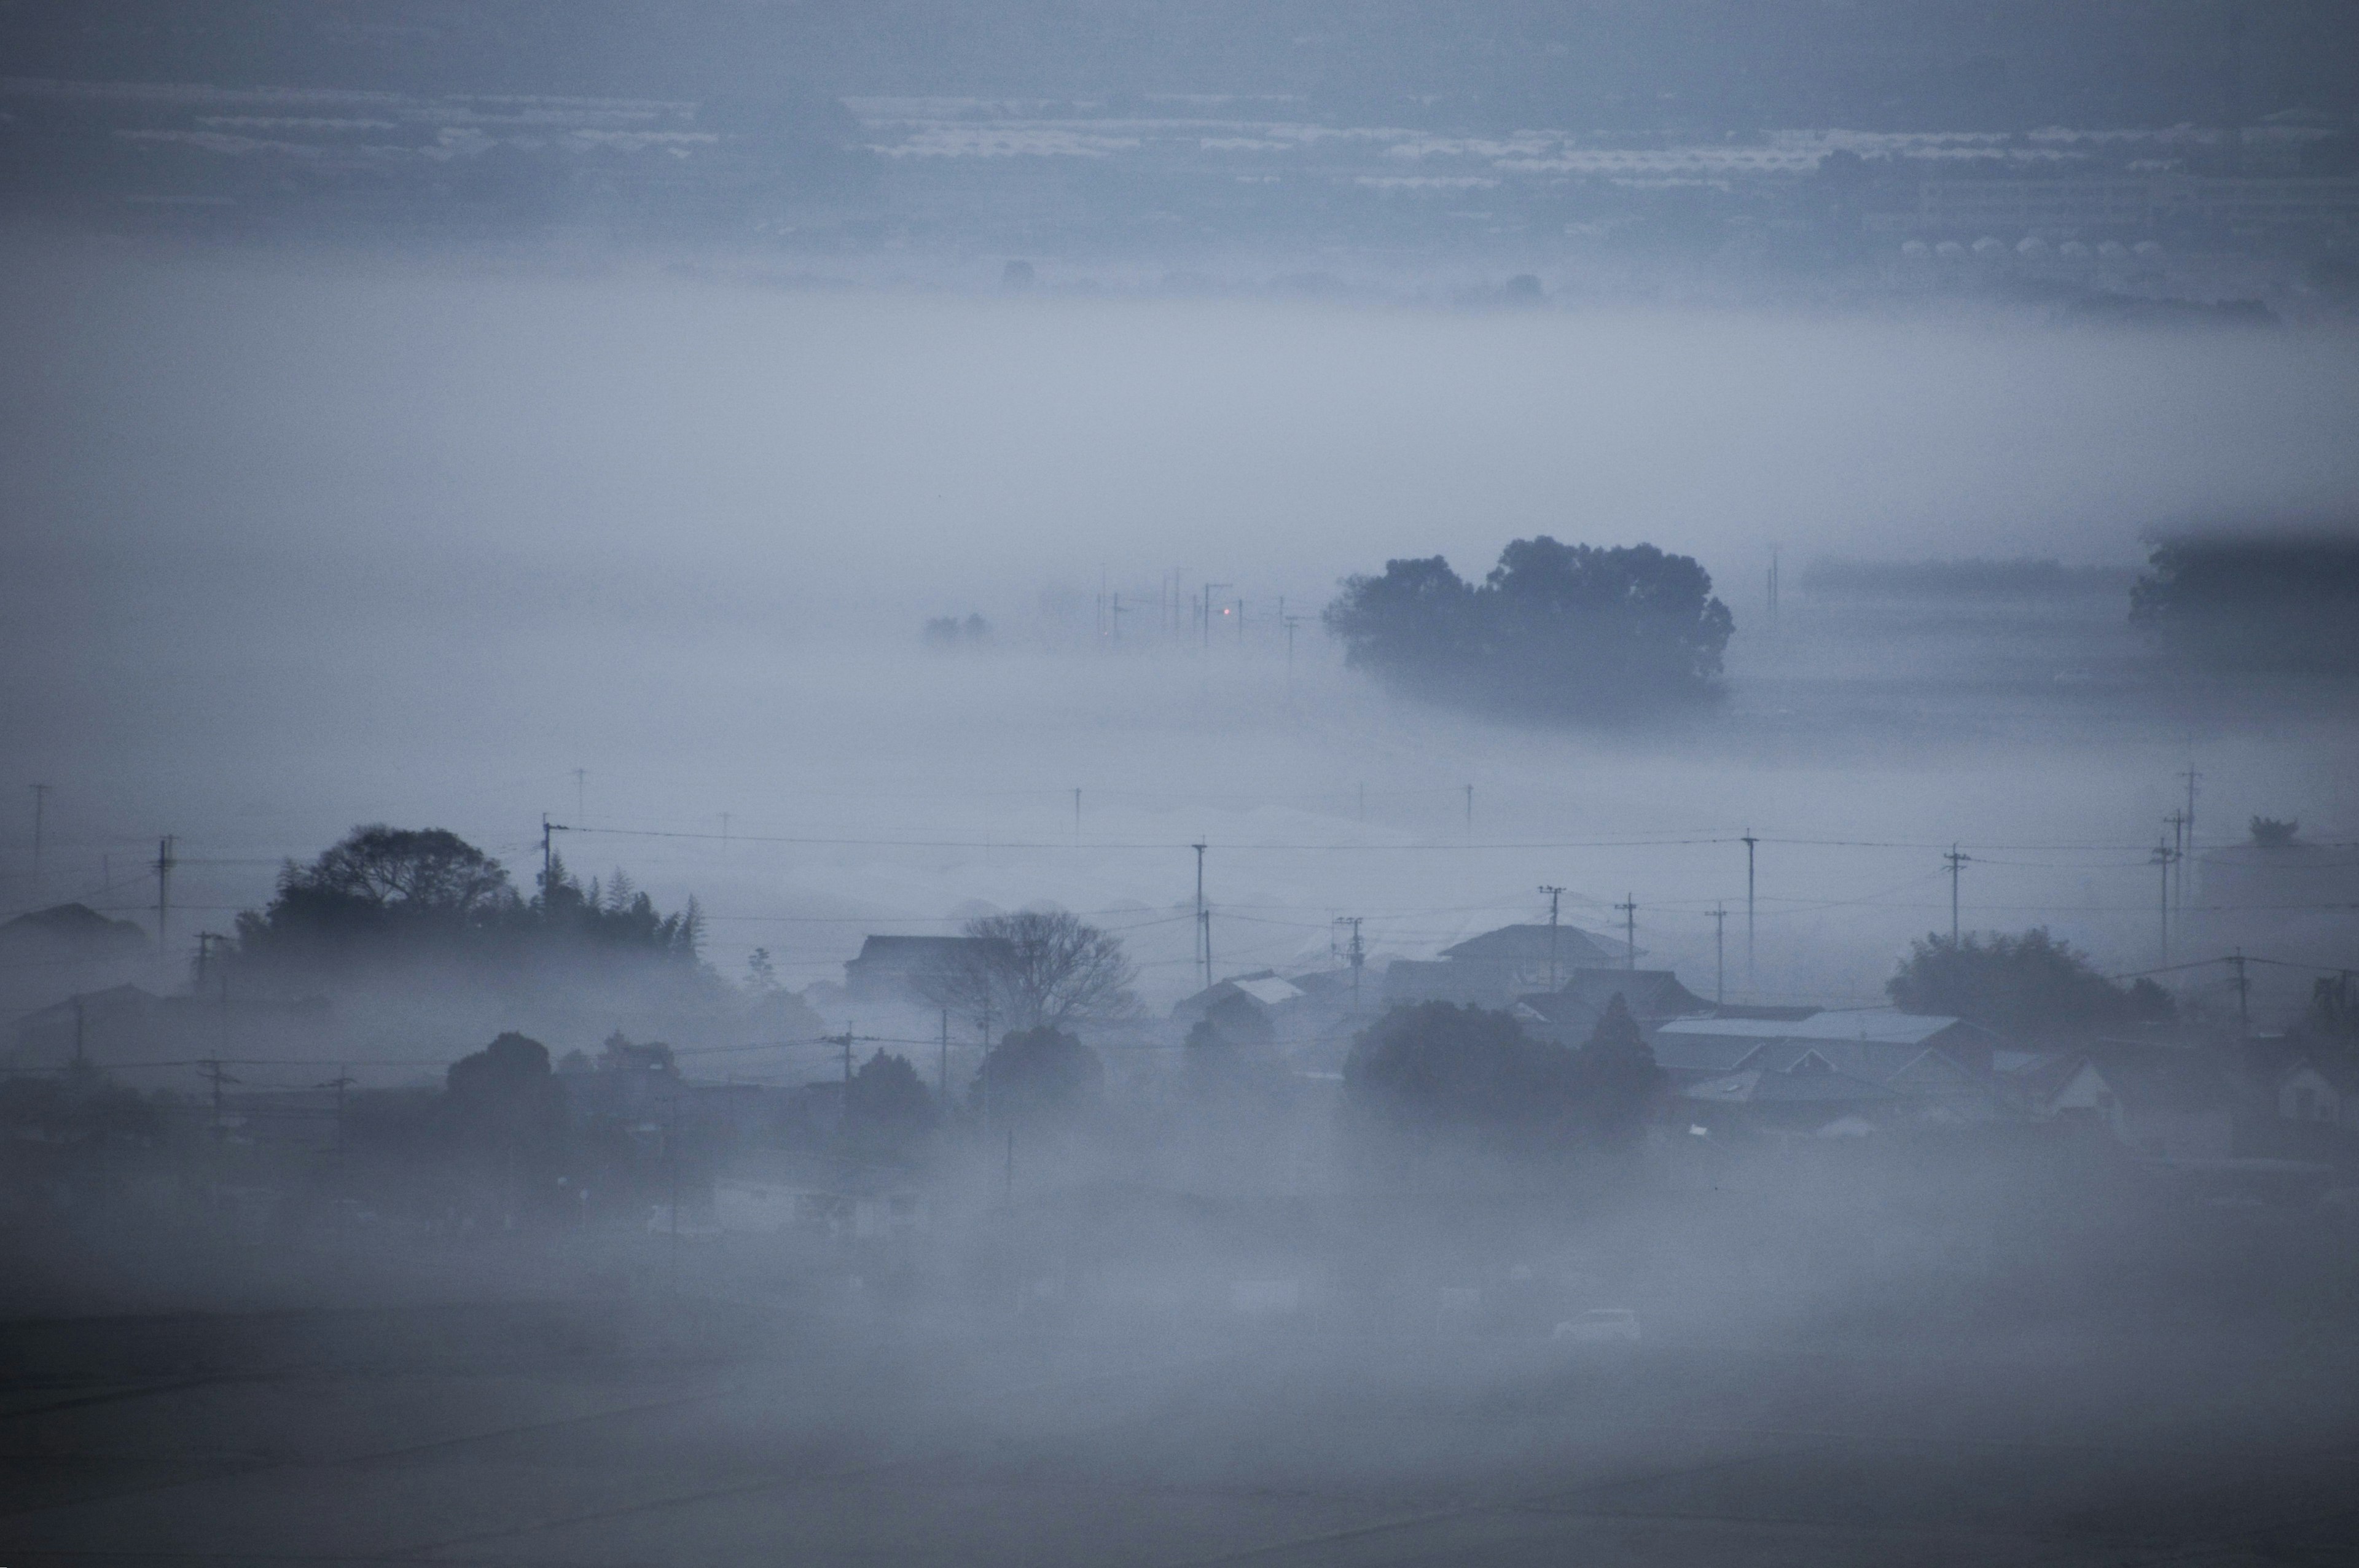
{"type": "Point", "coordinates": [1734, 1071]}
{"type": "Point", "coordinates": [1730, 1072]}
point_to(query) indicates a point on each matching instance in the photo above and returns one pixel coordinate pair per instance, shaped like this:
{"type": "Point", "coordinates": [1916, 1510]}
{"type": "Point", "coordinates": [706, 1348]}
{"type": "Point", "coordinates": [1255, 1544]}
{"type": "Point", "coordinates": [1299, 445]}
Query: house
{"type": "Point", "coordinates": [1493, 969]}
{"type": "Point", "coordinates": [900, 969]}
{"type": "Point", "coordinates": [2319, 1092]}
{"type": "Point", "coordinates": [1807, 1095]}
{"type": "Point", "coordinates": [1568, 1014]}
{"type": "Point", "coordinates": [2165, 1102]}
{"type": "Point", "coordinates": [1934, 1065]}
{"type": "Point", "coordinates": [1247, 1008]}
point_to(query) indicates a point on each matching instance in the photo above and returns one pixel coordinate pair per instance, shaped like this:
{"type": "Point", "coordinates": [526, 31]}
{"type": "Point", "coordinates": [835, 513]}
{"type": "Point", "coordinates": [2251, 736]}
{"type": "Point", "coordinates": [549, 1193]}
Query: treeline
{"type": "Point", "coordinates": [2286, 603]}
{"type": "Point", "coordinates": [395, 895]}
{"type": "Point", "coordinates": [1554, 630]}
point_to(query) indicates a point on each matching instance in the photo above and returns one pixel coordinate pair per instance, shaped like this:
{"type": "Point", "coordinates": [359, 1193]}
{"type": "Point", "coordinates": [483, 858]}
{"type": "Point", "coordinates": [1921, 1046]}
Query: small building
{"type": "Point", "coordinates": [902, 968]}
{"type": "Point", "coordinates": [1493, 969]}
{"type": "Point", "coordinates": [1935, 1065]}
{"type": "Point", "coordinates": [1570, 1014]}
{"type": "Point", "coordinates": [2164, 1102]}
{"type": "Point", "coordinates": [1807, 1095]}
{"type": "Point", "coordinates": [2319, 1093]}
{"type": "Point", "coordinates": [1245, 1008]}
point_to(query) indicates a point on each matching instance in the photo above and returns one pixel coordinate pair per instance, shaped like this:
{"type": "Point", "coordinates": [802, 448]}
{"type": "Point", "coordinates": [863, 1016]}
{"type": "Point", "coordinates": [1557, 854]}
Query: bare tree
{"type": "Point", "coordinates": [1036, 969]}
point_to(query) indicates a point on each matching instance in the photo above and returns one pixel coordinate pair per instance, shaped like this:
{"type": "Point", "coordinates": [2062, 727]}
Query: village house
{"type": "Point", "coordinates": [1930, 1066]}
{"type": "Point", "coordinates": [1570, 1014]}
{"type": "Point", "coordinates": [1493, 969]}
{"type": "Point", "coordinates": [901, 968]}
{"type": "Point", "coordinates": [2319, 1093]}
{"type": "Point", "coordinates": [2167, 1103]}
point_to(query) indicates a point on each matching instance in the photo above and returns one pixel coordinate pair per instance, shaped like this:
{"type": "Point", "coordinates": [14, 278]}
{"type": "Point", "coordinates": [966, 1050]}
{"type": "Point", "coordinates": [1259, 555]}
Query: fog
{"type": "Point", "coordinates": [304, 541]}
{"type": "Point", "coordinates": [1053, 991]}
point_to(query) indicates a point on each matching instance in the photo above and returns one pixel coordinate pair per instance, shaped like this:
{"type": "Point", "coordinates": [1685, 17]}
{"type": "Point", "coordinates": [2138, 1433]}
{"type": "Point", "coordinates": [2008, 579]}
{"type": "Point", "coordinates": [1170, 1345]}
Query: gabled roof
{"type": "Point", "coordinates": [71, 923]}
{"type": "Point", "coordinates": [1529, 944]}
{"type": "Point", "coordinates": [1882, 1025]}
{"type": "Point", "coordinates": [100, 1002]}
{"type": "Point", "coordinates": [1648, 993]}
{"type": "Point", "coordinates": [2342, 1077]}
{"type": "Point", "coordinates": [899, 949]}
{"type": "Point", "coordinates": [2168, 1079]}
{"type": "Point", "coordinates": [1268, 991]}
{"type": "Point", "coordinates": [1757, 1085]}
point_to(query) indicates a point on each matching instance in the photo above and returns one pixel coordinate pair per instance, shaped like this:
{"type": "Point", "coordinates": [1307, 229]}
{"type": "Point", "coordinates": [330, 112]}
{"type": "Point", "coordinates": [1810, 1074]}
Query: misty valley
{"type": "Point", "coordinates": [1050, 782]}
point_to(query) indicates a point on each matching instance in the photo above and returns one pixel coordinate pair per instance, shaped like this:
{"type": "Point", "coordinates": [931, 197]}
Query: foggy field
{"type": "Point", "coordinates": [663, 1430]}
{"type": "Point", "coordinates": [300, 541]}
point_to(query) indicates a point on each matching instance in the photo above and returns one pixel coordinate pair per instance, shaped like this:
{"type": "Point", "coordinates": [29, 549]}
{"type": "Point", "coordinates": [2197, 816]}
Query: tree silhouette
{"type": "Point", "coordinates": [1042, 968]}
{"type": "Point", "coordinates": [1555, 630]}
{"type": "Point", "coordinates": [1038, 1074]}
{"type": "Point", "coordinates": [1436, 1070]}
{"type": "Point", "coordinates": [1616, 1076]}
{"type": "Point", "coordinates": [886, 1109]}
{"type": "Point", "coordinates": [2024, 985]}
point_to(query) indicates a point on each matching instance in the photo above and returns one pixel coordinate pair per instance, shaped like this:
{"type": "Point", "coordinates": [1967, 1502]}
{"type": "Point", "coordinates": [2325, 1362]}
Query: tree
{"type": "Point", "coordinates": [886, 1109]}
{"type": "Point", "coordinates": [1038, 1074]}
{"type": "Point", "coordinates": [1042, 968]}
{"type": "Point", "coordinates": [2023, 986]}
{"type": "Point", "coordinates": [1461, 1073]}
{"type": "Point", "coordinates": [1554, 629]}
{"type": "Point", "coordinates": [2288, 603]}
{"type": "Point", "coordinates": [420, 870]}
{"type": "Point", "coordinates": [1615, 1076]}
{"type": "Point", "coordinates": [385, 893]}
{"type": "Point", "coordinates": [505, 1097]}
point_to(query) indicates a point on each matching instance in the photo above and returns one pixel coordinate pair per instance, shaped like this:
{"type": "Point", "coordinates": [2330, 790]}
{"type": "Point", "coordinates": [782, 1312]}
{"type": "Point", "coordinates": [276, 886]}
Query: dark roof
{"type": "Point", "coordinates": [1648, 993]}
{"type": "Point", "coordinates": [901, 949]}
{"type": "Point", "coordinates": [1529, 944]}
{"type": "Point", "coordinates": [74, 923]}
{"type": "Point", "coordinates": [112, 998]}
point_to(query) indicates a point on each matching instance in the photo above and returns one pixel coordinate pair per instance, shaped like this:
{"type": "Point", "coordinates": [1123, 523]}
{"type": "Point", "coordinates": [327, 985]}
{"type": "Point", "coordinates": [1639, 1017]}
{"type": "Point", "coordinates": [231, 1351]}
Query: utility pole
{"type": "Point", "coordinates": [1209, 602]}
{"type": "Point", "coordinates": [1751, 980]}
{"type": "Point", "coordinates": [1240, 622]}
{"type": "Point", "coordinates": [1077, 816]}
{"type": "Point", "coordinates": [1358, 958]}
{"type": "Point", "coordinates": [2177, 822]}
{"type": "Point", "coordinates": [1203, 921]}
{"type": "Point", "coordinates": [164, 863]}
{"type": "Point", "coordinates": [943, 1086]}
{"type": "Point", "coordinates": [844, 1040]}
{"type": "Point", "coordinates": [548, 864]}
{"type": "Point", "coordinates": [340, 1083]}
{"type": "Point", "coordinates": [2243, 994]}
{"type": "Point", "coordinates": [1720, 954]}
{"type": "Point", "coordinates": [1629, 908]}
{"type": "Point", "coordinates": [2162, 859]}
{"type": "Point", "coordinates": [218, 1077]}
{"type": "Point", "coordinates": [205, 940]}
{"type": "Point", "coordinates": [1553, 895]}
{"type": "Point", "coordinates": [41, 800]}
{"type": "Point", "coordinates": [1957, 863]}
{"type": "Point", "coordinates": [2191, 776]}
